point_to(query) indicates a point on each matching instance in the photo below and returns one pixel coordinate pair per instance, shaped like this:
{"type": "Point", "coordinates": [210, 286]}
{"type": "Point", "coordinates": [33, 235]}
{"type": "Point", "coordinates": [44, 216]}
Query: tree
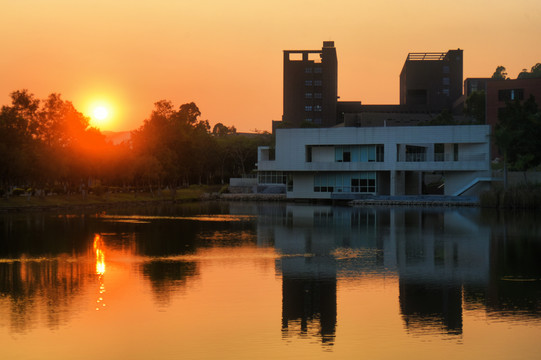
{"type": "Point", "coordinates": [476, 106]}
{"type": "Point", "coordinates": [535, 72]}
{"type": "Point", "coordinates": [221, 130]}
{"type": "Point", "coordinates": [500, 73]}
{"type": "Point", "coordinates": [517, 134]}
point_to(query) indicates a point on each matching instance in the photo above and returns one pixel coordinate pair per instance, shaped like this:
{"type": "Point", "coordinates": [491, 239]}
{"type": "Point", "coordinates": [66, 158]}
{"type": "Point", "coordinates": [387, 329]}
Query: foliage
{"type": "Point", "coordinates": [500, 73]}
{"type": "Point", "coordinates": [535, 72]}
{"type": "Point", "coordinates": [525, 196]}
{"type": "Point", "coordinates": [518, 132]}
{"type": "Point", "coordinates": [47, 145]}
{"type": "Point", "coordinates": [475, 106]}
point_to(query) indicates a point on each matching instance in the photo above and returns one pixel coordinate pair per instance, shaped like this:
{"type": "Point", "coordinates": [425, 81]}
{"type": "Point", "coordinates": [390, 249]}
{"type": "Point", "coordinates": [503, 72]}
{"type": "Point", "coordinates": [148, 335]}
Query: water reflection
{"type": "Point", "coordinates": [445, 261]}
{"type": "Point", "coordinates": [99, 250]}
{"type": "Point", "coordinates": [447, 266]}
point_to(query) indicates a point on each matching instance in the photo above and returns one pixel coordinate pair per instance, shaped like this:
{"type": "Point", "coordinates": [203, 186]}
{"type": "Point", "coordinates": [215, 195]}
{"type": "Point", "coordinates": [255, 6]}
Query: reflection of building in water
{"type": "Point", "coordinates": [306, 302]}
{"type": "Point", "coordinates": [308, 237]}
{"type": "Point", "coordinates": [437, 252]}
{"type": "Point", "coordinates": [514, 287]}
{"type": "Point", "coordinates": [434, 252]}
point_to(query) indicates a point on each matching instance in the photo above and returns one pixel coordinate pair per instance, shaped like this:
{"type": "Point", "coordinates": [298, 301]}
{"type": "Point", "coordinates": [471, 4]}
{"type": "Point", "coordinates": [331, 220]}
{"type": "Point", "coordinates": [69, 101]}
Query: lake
{"type": "Point", "coordinates": [241, 280]}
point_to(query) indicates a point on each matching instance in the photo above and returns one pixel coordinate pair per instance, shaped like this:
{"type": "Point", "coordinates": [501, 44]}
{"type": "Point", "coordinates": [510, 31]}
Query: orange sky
{"type": "Point", "coordinates": [226, 56]}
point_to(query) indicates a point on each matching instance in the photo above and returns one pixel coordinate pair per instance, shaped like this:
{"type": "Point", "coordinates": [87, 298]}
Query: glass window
{"type": "Point", "coordinates": [307, 95]}
{"type": "Point", "coordinates": [308, 108]}
{"type": "Point", "coordinates": [317, 95]}
{"type": "Point", "coordinates": [317, 82]}
{"type": "Point", "coordinates": [307, 82]}
{"type": "Point", "coordinates": [308, 70]}
{"type": "Point", "coordinates": [318, 70]}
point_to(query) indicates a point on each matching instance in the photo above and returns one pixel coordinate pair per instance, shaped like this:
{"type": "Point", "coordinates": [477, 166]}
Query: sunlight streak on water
{"type": "Point", "coordinates": [203, 218]}
{"type": "Point", "coordinates": [99, 250]}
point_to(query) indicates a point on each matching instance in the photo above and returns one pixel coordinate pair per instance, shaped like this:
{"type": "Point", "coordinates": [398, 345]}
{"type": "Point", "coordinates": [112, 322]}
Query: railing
{"type": "Point", "coordinates": [415, 157]}
{"type": "Point", "coordinates": [440, 157]}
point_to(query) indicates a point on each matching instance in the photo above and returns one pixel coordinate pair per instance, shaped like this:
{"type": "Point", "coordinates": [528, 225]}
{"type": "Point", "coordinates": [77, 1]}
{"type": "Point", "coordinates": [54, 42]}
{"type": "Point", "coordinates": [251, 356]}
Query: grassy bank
{"type": "Point", "coordinates": [525, 196]}
{"type": "Point", "coordinates": [22, 203]}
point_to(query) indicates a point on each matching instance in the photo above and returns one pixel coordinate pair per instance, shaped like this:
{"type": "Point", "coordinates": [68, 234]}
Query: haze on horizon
{"type": "Point", "coordinates": [227, 56]}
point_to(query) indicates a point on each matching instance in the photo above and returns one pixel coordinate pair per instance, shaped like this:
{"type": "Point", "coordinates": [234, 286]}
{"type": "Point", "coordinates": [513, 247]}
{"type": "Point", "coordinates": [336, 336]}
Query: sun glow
{"type": "Point", "coordinates": [101, 115]}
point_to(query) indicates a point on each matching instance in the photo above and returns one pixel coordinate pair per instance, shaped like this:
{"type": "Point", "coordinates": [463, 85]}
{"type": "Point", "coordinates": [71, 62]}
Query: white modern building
{"type": "Point", "coordinates": [342, 162]}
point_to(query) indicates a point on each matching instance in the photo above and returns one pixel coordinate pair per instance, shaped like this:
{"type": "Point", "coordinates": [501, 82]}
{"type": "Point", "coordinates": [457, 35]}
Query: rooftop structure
{"type": "Point", "coordinates": [431, 81]}
{"type": "Point", "coordinates": [310, 86]}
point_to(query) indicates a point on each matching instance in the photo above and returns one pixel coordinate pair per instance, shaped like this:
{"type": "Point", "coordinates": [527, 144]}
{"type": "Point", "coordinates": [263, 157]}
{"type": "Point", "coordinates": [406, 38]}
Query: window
{"type": "Point", "coordinates": [308, 108]}
{"type": "Point", "coordinates": [289, 182]}
{"type": "Point", "coordinates": [308, 83]}
{"type": "Point", "coordinates": [358, 153]}
{"type": "Point", "coordinates": [318, 70]}
{"type": "Point", "coordinates": [511, 94]}
{"type": "Point", "coordinates": [455, 152]}
{"type": "Point", "coordinates": [308, 70]}
{"type": "Point", "coordinates": [349, 182]}
{"type": "Point", "coordinates": [317, 95]}
{"type": "Point", "coordinates": [439, 152]}
{"type": "Point", "coordinates": [446, 81]}
{"type": "Point", "coordinates": [308, 119]}
{"type": "Point", "coordinates": [380, 153]}
{"type": "Point", "coordinates": [317, 82]}
{"type": "Point", "coordinates": [446, 69]}
{"type": "Point", "coordinates": [307, 95]}
{"type": "Point", "coordinates": [317, 108]}
{"type": "Point", "coordinates": [445, 92]}
{"type": "Point", "coordinates": [271, 177]}
{"type": "Point", "coordinates": [318, 121]}
{"type": "Point", "coordinates": [415, 153]}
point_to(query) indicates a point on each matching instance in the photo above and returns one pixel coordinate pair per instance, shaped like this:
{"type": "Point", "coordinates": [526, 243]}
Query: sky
{"type": "Point", "coordinates": [226, 56]}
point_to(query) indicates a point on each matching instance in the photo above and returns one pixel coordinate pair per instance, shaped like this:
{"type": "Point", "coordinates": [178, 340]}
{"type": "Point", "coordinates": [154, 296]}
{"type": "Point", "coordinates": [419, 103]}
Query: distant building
{"type": "Point", "coordinates": [310, 86]}
{"type": "Point", "coordinates": [498, 92]}
{"type": "Point", "coordinates": [327, 162]}
{"type": "Point", "coordinates": [474, 84]}
{"type": "Point", "coordinates": [431, 81]}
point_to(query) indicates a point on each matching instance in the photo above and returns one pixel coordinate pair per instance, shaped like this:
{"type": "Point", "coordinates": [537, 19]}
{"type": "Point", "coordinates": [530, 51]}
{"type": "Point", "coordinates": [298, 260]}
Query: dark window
{"type": "Point", "coordinates": [347, 156]}
{"type": "Point", "coordinates": [511, 94]}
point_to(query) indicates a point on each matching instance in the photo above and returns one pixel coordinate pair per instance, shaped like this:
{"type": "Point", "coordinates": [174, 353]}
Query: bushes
{"type": "Point", "coordinates": [526, 196]}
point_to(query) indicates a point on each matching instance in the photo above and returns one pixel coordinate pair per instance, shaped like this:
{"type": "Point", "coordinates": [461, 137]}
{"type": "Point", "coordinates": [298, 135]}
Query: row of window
{"type": "Point", "coordinates": [510, 94]}
{"type": "Point", "coordinates": [271, 177]}
{"type": "Point", "coordinates": [313, 82]}
{"type": "Point", "coordinates": [316, 70]}
{"type": "Point", "coordinates": [312, 108]}
{"type": "Point", "coordinates": [358, 182]}
{"type": "Point", "coordinates": [310, 95]}
{"type": "Point", "coordinates": [359, 153]}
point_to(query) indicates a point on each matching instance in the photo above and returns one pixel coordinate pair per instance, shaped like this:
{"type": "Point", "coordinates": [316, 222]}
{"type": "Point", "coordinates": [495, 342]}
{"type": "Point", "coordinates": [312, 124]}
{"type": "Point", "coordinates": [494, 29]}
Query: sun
{"type": "Point", "coordinates": [101, 115]}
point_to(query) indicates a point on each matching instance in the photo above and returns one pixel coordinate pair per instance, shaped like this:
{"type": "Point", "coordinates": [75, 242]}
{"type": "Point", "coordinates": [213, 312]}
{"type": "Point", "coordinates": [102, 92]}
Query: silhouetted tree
{"type": "Point", "coordinates": [500, 73]}
{"type": "Point", "coordinates": [517, 134]}
{"type": "Point", "coordinates": [475, 106]}
{"type": "Point", "coordinates": [535, 72]}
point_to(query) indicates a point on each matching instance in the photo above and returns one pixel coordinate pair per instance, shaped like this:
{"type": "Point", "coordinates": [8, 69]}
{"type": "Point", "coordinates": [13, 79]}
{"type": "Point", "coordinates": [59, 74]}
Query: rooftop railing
{"type": "Point", "coordinates": [426, 56]}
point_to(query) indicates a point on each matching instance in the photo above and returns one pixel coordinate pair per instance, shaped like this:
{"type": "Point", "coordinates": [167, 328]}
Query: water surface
{"type": "Point", "coordinates": [256, 280]}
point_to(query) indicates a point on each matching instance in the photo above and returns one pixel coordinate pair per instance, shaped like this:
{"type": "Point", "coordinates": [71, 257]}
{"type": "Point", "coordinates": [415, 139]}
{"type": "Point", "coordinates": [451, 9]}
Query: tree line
{"type": "Point", "coordinates": [47, 146]}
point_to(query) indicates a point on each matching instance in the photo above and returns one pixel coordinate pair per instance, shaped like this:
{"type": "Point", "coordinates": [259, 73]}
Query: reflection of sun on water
{"type": "Point", "coordinates": [100, 268]}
